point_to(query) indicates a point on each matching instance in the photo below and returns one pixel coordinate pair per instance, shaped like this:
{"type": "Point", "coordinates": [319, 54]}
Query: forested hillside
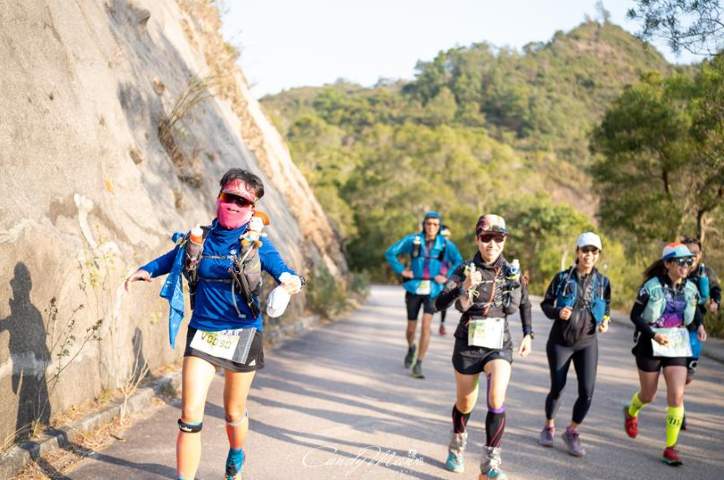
{"type": "Point", "coordinates": [478, 129]}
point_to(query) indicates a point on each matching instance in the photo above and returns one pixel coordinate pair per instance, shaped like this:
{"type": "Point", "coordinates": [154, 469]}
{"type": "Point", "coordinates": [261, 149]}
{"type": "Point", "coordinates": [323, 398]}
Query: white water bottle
{"type": "Point", "coordinates": [194, 247]}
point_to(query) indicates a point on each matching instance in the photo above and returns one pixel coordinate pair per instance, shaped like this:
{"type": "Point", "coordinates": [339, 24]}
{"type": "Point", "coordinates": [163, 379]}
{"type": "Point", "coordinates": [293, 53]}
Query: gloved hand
{"type": "Point", "coordinates": [292, 283]}
{"type": "Point", "coordinates": [279, 297]}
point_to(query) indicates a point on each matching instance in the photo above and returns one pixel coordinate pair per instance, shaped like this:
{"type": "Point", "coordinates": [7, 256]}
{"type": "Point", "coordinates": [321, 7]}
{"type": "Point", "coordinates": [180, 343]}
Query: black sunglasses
{"type": "Point", "coordinates": [592, 250]}
{"type": "Point", "coordinates": [685, 261]}
{"type": "Point", "coordinates": [231, 198]}
{"type": "Point", "coordinates": [489, 237]}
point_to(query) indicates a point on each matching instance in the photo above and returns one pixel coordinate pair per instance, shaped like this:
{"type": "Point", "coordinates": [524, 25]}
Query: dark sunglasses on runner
{"type": "Point", "coordinates": [592, 250]}
{"type": "Point", "coordinates": [489, 237]}
{"type": "Point", "coordinates": [686, 261]}
{"type": "Point", "coordinates": [230, 198]}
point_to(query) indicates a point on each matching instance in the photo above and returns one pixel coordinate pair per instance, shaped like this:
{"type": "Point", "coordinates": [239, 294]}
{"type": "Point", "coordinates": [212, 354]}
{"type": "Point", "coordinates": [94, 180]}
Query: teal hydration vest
{"type": "Point", "coordinates": [567, 294]}
{"type": "Point", "coordinates": [417, 244]}
{"type": "Point", "coordinates": [657, 301]}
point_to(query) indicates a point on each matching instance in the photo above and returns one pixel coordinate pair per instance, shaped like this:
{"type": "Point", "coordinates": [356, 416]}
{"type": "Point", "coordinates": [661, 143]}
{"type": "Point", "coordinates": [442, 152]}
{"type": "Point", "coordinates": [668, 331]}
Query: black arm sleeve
{"type": "Point", "coordinates": [697, 322]}
{"type": "Point", "coordinates": [526, 317]}
{"type": "Point", "coordinates": [714, 287]}
{"type": "Point", "coordinates": [607, 297]}
{"type": "Point", "coordinates": [636, 311]}
{"type": "Point", "coordinates": [549, 301]}
{"type": "Point", "coordinates": [451, 291]}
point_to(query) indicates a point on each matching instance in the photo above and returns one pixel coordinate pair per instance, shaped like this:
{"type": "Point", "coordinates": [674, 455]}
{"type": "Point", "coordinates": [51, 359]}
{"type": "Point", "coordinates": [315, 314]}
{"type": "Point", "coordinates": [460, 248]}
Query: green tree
{"type": "Point", "coordinates": [661, 170]}
{"type": "Point", "coordinates": [542, 235]}
{"type": "Point", "coordinates": [478, 127]}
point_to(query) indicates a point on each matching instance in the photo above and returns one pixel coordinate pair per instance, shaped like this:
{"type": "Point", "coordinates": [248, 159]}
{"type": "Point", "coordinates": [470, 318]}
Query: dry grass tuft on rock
{"type": "Point", "coordinates": [172, 135]}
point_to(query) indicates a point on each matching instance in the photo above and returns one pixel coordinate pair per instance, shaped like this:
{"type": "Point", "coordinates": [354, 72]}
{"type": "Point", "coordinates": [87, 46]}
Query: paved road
{"type": "Point", "coordinates": [337, 403]}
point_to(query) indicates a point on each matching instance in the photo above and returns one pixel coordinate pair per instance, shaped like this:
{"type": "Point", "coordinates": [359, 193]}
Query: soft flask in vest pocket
{"type": "Point", "coordinates": [567, 293]}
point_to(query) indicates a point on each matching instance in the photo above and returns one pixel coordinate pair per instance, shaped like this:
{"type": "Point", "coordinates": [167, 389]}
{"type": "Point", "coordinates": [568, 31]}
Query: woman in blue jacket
{"type": "Point", "coordinates": [225, 329]}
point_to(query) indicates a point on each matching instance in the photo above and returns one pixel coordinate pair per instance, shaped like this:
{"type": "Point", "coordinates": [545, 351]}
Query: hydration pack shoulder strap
{"type": "Point", "coordinates": [416, 246]}
{"type": "Point", "coordinates": [441, 256]}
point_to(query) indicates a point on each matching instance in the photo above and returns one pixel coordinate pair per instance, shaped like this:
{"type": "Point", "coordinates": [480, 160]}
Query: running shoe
{"type": "Point", "coordinates": [234, 465]}
{"type": "Point", "coordinates": [443, 331]}
{"type": "Point", "coordinates": [490, 465]}
{"type": "Point", "coordinates": [417, 370]}
{"type": "Point", "coordinates": [546, 436]}
{"type": "Point", "coordinates": [671, 457]}
{"type": "Point", "coordinates": [456, 447]}
{"type": "Point", "coordinates": [454, 462]}
{"type": "Point", "coordinates": [411, 356]}
{"type": "Point", "coordinates": [573, 443]}
{"type": "Point", "coordinates": [631, 424]}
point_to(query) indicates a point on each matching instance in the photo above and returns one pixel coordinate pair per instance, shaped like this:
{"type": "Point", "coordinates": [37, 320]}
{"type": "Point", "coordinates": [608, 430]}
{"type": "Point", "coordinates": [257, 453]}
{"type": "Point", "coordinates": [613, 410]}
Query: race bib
{"type": "Point", "coordinates": [231, 345]}
{"type": "Point", "coordinates": [423, 288]}
{"type": "Point", "coordinates": [679, 344]}
{"type": "Point", "coordinates": [486, 332]}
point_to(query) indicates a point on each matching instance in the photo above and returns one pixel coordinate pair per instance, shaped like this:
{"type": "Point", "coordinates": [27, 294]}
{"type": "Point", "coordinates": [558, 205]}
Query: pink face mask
{"type": "Point", "coordinates": [231, 215]}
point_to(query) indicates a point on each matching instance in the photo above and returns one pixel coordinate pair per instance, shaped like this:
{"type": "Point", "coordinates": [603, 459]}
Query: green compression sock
{"type": "Point", "coordinates": [674, 416]}
{"type": "Point", "coordinates": [635, 406]}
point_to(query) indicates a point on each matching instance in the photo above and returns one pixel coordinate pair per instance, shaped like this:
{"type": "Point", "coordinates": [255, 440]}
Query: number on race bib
{"type": "Point", "coordinates": [486, 332]}
{"type": "Point", "coordinates": [231, 345]}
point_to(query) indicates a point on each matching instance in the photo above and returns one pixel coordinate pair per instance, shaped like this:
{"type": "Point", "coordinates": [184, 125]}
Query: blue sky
{"type": "Point", "coordinates": [287, 43]}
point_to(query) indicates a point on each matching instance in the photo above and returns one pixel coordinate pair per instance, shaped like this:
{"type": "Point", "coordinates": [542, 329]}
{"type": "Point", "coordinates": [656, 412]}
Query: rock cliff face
{"type": "Point", "coordinates": [118, 118]}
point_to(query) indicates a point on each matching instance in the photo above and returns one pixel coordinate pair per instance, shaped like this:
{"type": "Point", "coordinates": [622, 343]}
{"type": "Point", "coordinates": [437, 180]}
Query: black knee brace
{"type": "Point", "coordinates": [189, 427]}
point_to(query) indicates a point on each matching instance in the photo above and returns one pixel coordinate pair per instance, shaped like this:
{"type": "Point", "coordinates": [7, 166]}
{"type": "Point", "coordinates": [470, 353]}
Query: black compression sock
{"type": "Point", "coordinates": [494, 428]}
{"type": "Point", "coordinates": [460, 420]}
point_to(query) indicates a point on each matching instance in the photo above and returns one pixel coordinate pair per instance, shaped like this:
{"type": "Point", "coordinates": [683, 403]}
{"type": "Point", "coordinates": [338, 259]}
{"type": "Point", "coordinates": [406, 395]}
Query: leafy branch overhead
{"type": "Point", "coordinates": [696, 26]}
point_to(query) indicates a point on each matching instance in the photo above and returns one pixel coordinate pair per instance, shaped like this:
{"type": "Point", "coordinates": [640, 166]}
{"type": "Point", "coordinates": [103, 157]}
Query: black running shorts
{"type": "Point", "coordinates": [254, 361]}
{"type": "Point", "coordinates": [471, 360]}
{"type": "Point", "coordinates": [646, 362]}
{"type": "Point", "coordinates": [414, 302]}
{"type": "Point", "coordinates": [654, 364]}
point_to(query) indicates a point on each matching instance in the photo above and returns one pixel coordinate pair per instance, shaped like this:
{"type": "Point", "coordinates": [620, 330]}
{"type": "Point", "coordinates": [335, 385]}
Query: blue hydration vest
{"type": "Point", "coordinates": [695, 345]}
{"type": "Point", "coordinates": [567, 294]}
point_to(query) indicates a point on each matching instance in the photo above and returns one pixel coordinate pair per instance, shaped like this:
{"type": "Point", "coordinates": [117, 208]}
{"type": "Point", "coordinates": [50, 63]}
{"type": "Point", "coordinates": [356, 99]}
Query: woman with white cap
{"type": "Point", "coordinates": [578, 301]}
{"type": "Point", "coordinates": [665, 305]}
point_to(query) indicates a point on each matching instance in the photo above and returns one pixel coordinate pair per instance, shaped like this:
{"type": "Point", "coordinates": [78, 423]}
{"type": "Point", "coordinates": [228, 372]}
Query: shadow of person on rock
{"type": "Point", "coordinates": [29, 354]}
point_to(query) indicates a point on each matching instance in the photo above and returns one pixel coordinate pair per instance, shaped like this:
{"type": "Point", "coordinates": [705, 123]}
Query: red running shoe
{"type": "Point", "coordinates": [442, 329]}
{"type": "Point", "coordinates": [631, 424]}
{"type": "Point", "coordinates": [671, 457]}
